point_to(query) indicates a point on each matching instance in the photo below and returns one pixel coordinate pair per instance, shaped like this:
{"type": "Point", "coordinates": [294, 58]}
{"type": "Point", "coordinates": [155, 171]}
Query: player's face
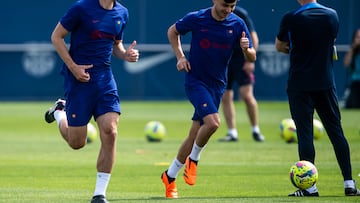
{"type": "Point", "coordinates": [222, 9]}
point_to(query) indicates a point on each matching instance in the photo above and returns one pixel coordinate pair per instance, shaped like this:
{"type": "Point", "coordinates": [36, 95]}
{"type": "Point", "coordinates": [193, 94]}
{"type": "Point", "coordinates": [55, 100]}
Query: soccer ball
{"type": "Point", "coordinates": [303, 174]}
{"type": "Point", "coordinates": [288, 130]}
{"type": "Point", "coordinates": [319, 130]}
{"type": "Point", "coordinates": [92, 133]}
{"type": "Point", "coordinates": [154, 131]}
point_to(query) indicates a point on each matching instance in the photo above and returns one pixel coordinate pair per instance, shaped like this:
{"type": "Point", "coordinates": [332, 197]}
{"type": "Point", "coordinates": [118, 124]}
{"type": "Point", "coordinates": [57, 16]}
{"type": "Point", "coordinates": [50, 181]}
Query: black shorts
{"type": "Point", "coordinates": [237, 75]}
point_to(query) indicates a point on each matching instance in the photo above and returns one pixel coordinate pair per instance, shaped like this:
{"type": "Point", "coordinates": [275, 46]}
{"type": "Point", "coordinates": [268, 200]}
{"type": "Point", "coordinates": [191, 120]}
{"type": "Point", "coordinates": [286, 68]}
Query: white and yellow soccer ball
{"type": "Point", "coordinates": [303, 174]}
{"type": "Point", "coordinates": [288, 130]}
{"type": "Point", "coordinates": [319, 129]}
{"type": "Point", "coordinates": [92, 133]}
{"type": "Point", "coordinates": [154, 131]}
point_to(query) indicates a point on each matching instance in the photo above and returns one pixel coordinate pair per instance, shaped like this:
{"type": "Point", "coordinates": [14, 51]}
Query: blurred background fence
{"type": "Point", "coordinates": [30, 67]}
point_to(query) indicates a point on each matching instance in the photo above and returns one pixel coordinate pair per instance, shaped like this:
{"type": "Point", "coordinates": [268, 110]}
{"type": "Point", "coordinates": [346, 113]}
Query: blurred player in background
{"type": "Point", "coordinates": [308, 35]}
{"type": "Point", "coordinates": [96, 28]}
{"type": "Point", "coordinates": [215, 33]}
{"type": "Point", "coordinates": [241, 72]}
{"type": "Point", "coordinates": [352, 62]}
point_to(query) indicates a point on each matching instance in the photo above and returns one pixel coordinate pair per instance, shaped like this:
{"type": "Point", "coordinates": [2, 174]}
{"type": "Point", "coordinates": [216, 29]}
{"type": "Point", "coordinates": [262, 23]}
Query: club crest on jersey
{"type": "Point", "coordinates": [229, 32]}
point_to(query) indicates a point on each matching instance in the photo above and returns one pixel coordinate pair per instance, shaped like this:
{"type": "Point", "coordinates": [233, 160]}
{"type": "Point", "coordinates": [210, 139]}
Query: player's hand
{"type": "Point", "coordinates": [244, 42]}
{"type": "Point", "coordinates": [80, 73]}
{"type": "Point", "coordinates": [132, 54]}
{"type": "Point", "coordinates": [183, 64]}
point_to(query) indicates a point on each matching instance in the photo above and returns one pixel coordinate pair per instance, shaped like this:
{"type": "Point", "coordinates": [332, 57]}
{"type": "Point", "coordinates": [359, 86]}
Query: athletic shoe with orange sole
{"type": "Point", "coordinates": [190, 171]}
{"type": "Point", "coordinates": [170, 186]}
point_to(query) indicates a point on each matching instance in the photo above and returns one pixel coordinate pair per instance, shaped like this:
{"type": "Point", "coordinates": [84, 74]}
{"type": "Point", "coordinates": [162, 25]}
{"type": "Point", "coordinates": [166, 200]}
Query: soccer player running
{"type": "Point", "coordinates": [215, 33]}
{"type": "Point", "coordinates": [241, 72]}
{"type": "Point", "coordinates": [96, 28]}
{"type": "Point", "coordinates": [308, 35]}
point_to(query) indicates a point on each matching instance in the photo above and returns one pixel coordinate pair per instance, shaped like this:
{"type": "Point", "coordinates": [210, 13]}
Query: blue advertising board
{"type": "Point", "coordinates": [30, 67]}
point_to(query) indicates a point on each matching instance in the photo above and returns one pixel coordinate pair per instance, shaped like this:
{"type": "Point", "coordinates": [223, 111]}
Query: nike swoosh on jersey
{"type": "Point", "coordinates": [147, 63]}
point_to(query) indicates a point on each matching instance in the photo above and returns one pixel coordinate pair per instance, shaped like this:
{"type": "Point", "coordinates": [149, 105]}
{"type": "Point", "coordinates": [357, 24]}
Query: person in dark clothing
{"type": "Point", "coordinates": [308, 35]}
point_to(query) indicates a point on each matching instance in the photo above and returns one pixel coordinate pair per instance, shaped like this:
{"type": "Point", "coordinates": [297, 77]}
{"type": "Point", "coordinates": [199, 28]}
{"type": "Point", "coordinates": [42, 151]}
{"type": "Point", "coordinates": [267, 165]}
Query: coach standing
{"type": "Point", "coordinates": [308, 35]}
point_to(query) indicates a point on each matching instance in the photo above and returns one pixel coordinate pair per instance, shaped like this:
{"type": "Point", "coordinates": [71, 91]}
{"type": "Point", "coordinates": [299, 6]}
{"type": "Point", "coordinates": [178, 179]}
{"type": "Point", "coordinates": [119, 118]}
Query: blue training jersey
{"type": "Point", "coordinates": [93, 33]}
{"type": "Point", "coordinates": [212, 45]}
{"type": "Point", "coordinates": [311, 31]}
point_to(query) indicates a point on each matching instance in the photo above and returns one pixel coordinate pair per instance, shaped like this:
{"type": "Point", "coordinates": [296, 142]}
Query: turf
{"type": "Point", "coordinates": [36, 165]}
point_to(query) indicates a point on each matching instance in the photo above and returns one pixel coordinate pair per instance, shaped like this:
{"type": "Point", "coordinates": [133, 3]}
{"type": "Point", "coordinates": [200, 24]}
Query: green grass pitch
{"type": "Point", "coordinates": [36, 165]}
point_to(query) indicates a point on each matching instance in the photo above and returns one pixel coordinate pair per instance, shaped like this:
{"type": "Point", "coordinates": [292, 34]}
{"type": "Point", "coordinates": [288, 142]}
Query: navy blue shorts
{"type": "Point", "coordinates": [204, 100]}
{"type": "Point", "coordinates": [84, 100]}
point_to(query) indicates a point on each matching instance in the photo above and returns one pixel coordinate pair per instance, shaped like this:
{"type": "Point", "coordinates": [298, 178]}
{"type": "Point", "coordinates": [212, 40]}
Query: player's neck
{"type": "Point", "coordinates": [107, 4]}
{"type": "Point", "coordinates": [303, 2]}
{"type": "Point", "coordinates": [215, 15]}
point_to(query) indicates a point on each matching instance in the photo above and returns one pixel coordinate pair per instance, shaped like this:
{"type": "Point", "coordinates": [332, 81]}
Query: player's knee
{"type": "Point", "coordinates": [249, 99]}
{"type": "Point", "coordinates": [109, 135]}
{"type": "Point", "coordinates": [214, 124]}
{"type": "Point", "coordinates": [77, 145]}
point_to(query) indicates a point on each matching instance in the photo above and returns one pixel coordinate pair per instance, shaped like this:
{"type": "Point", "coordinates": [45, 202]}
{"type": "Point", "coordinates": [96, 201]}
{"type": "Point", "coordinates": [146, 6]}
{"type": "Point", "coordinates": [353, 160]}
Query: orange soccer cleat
{"type": "Point", "coordinates": [170, 186]}
{"type": "Point", "coordinates": [190, 171]}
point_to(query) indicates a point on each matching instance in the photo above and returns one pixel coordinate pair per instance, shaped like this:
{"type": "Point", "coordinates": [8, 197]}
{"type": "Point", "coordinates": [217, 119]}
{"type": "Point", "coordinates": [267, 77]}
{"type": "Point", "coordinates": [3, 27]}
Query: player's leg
{"type": "Point", "coordinates": [326, 105]}
{"type": "Point", "coordinates": [211, 124]}
{"type": "Point", "coordinates": [302, 111]}
{"type": "Point", "coordinates": [187, 145]}
{"type": "Point", "coordinates": [228, 108]}
{"type": "Point", "coordinates": [106, 112]}
{"type": "Point", "coordinates": [206, 103]}
{"type": "Point", "coordinates": [74, 136]}
{"type": "Point", "coordinates": [246, 94]}
{"type": "Point", "coordinates": [78, 114]}
{"type": "Point", "coordinates": [108, 133]}
{"type": "Point", "coordinates": [206, 130]}
{"type": "Point", "coordinates": [168, 177]}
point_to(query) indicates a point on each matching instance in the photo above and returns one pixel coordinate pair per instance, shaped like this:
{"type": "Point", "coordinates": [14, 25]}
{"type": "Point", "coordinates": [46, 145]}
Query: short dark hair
{"type": "Point", "coordinates": [230, 1]}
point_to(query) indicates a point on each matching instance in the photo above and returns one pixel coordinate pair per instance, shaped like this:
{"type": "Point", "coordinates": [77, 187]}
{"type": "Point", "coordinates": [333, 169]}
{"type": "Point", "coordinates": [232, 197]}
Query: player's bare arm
{"type": "Point", "coordinates": [249, 53]}
{"type": "Point", "coordinates": [131, 54]}
{"type": "Point", "coordinates": [174, 39]}
{"type": "Point", "coordinates": [57, 38]}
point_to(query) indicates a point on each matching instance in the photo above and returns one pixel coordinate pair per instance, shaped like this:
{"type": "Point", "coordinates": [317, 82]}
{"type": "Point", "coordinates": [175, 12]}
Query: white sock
{"type": "Point", "coordinates": [174, 168]}
{"type": "Point", "coordinates": [102, 181]}
{"type": "Point", "coordinates": [195, 152]}
{"type": "Point", "coordinates": [349, 184]}
{"type": "Point", "coordinates": [59, 115]}
{"type": "Point", "coordinates": [255, 129]}
{"type": "Point", "coordinates": [313, 189]}
{"type": "Point", "coordinates": [233, 132]}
